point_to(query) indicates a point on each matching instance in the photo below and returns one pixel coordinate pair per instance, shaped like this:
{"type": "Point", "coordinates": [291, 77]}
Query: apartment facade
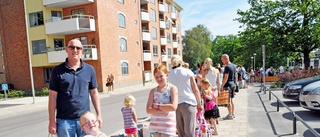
{"type": "Point", "coordinates": [118, 38]}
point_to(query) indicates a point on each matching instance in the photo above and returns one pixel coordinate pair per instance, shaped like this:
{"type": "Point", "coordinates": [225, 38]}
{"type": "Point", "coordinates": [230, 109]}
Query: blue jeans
{"type": "Point", "coordinates": [69, 128]}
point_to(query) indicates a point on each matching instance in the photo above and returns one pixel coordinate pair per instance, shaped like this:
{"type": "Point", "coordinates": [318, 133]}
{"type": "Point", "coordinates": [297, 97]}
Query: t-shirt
{"type": "Point", "coordinates": [231, 70]}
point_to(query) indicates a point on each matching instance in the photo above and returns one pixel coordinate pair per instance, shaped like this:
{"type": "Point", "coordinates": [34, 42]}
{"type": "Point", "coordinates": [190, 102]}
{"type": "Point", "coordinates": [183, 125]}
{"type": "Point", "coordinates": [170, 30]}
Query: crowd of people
{"type": "Point", "coordinates": [173, 104]}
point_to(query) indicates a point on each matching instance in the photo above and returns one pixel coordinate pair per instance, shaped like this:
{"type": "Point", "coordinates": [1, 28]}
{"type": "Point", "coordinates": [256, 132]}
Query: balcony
{"type": "Point", "coordinates": [72, 24]}
{"type": "Point", "coordinates": [163, 40]}
{"type": "Point", "coordinates": [161, 8]}
{"type": "Point", "coordinates": [60, 54]}
{"type": "Point", "coordinates": [174, 29]}
{"type": "Point", "coordinates": [173, 16]}
{"type": "Point", "coordinates": [65, 3]}
{"type": "Point", "coordinates": [146, 55]}
{"type": "Point", "coordinates": [145, 17]}
{"type": "Point", "coordinates": [143, 2]}
{"type": "Point", "coordinates": [164, 58]}
{"type": "Point", "coordinates": [175, 44]}
{"type": "Point", "coordinates": [145, 35]}
{"type": "Point", "coordinates": [162, 24]}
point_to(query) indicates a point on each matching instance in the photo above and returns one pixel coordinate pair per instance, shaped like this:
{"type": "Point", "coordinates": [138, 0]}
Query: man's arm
{"type": "Point", "coordinates": [52, 104]}
{"type": "Point", "coordinates": [195, 91]}
{"type": "Point", "coordinates": [95, 98]}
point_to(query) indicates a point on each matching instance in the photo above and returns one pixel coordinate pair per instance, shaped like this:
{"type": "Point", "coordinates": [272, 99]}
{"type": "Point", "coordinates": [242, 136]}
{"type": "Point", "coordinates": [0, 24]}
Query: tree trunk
{"type": "Point", "coordinates": [306, 60]}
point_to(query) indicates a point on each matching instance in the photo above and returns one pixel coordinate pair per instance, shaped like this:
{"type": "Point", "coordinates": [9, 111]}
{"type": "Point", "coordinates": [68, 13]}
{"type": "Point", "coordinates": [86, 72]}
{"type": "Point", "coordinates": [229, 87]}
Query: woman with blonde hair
{"type": "Point", "coordinates": [188, 97]}
{"type": "Point", "coordinates": [212, 74]}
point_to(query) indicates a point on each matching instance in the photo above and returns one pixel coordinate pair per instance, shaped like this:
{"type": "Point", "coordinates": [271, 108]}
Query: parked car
{"type": "Point", "coordinates": [292, 89]}
{"type": "Point", "coordinates": [310, 96]}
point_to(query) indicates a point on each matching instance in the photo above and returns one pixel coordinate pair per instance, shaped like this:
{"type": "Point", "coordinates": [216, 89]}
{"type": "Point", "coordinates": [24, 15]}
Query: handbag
{"type": "Point", "coordinates": [223, 98]}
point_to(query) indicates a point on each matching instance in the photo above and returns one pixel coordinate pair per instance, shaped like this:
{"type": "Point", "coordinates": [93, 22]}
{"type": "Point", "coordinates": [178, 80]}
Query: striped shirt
{"type": "Point", "coordinates": [128, 118]}
{"type": "Point", "coordinates": [165, 122]}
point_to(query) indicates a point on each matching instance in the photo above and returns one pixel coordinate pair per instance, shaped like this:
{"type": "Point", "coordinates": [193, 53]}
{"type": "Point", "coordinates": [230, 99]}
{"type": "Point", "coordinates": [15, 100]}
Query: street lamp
{"type": "Point", "coordinates": [251, 61]}
{"type": "Point", "coordinates": [254, 61]}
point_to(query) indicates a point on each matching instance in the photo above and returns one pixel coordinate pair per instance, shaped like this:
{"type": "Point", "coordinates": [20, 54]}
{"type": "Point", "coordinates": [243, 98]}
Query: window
{"type": "Point", "coordinates": [166, 7]}
{"type": "Point", "coordinates": [153, 15]}
{"type": "Point", "coordinates": [47, 74]}
{"type": "Point", "coordinates": [121, 1]}
{"type": "Point", "coordinates": [169, 53]}
{"type": "Point", "coordinates": [179, 52]}
{"type": "Point", "coordinates": [39, 47]}
{"type": "Point", "coordinates": [124, 68]}
{"type": "Point", "coordinates": [123, 45]}
{"type": "Point", "coordinates": [36, 19]}
{"type": "Point", "coordinates": [154, 33]}
{"type": "Point", "coordinates": [167, 23]}
{"type": "Point", "coordinates": [155, 65]}
{"type": "Point", "coordinates": [168, 38]}
{"type": "Point", "coordinates": [121, 20]}
{"type": "Point", "coordinates": [178, 40]}
{"type": "Point", "coordinates": [58, 44]}
{"type": "Point", "coordinates": [83, 40]}
{"type": "Point", "coordinates": [155, 50]}
{"type": "Point", "coordinates": [56, 15]}
{"type": "Point", "coordinates": [177, 26]}
{"type": "Point", "coordinates": [78, 12]}
{"type": "Point", "coordinates": [152, 1]}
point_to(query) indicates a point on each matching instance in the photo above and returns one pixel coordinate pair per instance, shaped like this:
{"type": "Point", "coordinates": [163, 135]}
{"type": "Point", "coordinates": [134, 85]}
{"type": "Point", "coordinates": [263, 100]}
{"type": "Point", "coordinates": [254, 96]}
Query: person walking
{"type": "Point", "coordinates": [188, 97]}
{"type": "Point", "coordinates": [112, 82]}
{"type": "Point", "coordinates": [229, 80]}
{"type": "Point", "coordinates": [71, 84]}
{"type": "Point", "coordinates": [162, 103]}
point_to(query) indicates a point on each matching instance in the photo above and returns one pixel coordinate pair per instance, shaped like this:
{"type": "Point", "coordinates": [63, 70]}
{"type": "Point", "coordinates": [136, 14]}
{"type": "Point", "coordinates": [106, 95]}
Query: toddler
{"type": "Point", "coordinates": [211, 110]}
{"type": "Point", "coordinates": [129, 116]}
{"type": "Point", "coordinates": [90, 126]}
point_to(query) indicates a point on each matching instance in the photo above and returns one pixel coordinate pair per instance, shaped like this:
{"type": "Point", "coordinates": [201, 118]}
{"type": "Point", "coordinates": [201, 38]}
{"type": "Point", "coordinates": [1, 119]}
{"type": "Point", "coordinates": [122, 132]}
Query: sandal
{"type": "Point", "coordinates": [214, 133]}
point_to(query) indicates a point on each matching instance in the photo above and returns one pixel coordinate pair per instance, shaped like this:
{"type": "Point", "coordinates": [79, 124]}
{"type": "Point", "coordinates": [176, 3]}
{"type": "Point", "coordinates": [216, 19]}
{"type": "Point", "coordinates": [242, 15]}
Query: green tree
{"type": "Point", "coordinates": [229, 44]}
{"type": "Point", "coordinates": [197, 45]}
{"type": "Point", "coordinates": [286, 27]}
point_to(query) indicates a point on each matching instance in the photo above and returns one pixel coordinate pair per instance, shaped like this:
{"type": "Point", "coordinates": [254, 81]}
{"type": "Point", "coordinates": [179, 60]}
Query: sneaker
{"type": "Point", "coordinates": [228, 117]}
{"type": "Point", "coordinates": [233, 116]}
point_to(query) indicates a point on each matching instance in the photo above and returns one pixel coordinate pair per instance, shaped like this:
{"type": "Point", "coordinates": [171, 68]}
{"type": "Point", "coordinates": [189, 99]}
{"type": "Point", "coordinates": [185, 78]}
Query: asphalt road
{"type": "Point", "coordinates": [35, 124]}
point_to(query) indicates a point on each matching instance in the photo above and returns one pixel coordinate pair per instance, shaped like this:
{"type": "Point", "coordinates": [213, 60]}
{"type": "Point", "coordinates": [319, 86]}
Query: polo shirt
{"type": "Point", "coordinates": [73, 89]}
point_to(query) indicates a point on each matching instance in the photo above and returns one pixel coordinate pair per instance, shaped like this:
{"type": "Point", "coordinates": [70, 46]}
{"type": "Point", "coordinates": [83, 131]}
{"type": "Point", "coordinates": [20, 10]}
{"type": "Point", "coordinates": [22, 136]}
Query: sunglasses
{"type": "Point", "coordinates": [87, 124]}
{"type": "Point", "coordinates": [75, 47]}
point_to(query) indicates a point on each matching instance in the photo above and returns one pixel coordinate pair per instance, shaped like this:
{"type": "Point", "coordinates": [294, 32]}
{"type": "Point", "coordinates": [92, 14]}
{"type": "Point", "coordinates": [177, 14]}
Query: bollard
{"type": "Point", "coordinates": [5, 95]}
{"type": "Point", "coordinates": [294, 123]}
{"type": "Point", "coordinates": [269, 94]}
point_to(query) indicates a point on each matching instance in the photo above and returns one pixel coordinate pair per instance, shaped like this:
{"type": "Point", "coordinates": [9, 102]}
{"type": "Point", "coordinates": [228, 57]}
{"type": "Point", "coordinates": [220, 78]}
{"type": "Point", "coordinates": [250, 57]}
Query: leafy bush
{"type": "Point", "coordinates": [1, 96]}
{"type": "Point", "coordinates": [15, 93]}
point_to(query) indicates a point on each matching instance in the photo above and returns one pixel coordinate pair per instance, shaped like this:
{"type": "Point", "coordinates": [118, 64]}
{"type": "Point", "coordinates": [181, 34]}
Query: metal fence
{"type": "Point", "coordinates": [295, 116]}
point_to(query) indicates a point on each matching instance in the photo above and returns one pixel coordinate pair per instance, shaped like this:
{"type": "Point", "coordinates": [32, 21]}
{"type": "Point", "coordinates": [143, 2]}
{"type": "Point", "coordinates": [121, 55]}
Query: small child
{"type": "Point", "coordinates": [162, 103]}
{"type": "Point", "coordinates": [89, 125]}
{"type": "Point", "coordinates": [211, 110]}
{"type": "Point", "coordinates": [129, 116]}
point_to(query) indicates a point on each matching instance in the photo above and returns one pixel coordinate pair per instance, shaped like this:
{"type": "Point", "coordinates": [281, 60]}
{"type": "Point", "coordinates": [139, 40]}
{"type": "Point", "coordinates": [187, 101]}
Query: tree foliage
{"type": "Point", "coordinates": [197, 45]}
{"type": "Point", "coordinates": [285, 27]}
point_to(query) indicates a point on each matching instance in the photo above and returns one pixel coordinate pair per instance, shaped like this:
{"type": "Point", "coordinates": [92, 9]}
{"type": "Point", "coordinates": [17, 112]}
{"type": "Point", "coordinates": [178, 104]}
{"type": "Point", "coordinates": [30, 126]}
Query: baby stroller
{"type": "Point", "coordinates": [202, 128]}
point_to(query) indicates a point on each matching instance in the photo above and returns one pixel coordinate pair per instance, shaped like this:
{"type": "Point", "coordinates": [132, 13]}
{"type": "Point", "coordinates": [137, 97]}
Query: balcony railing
{"type": "Point", "coordinates": [59, 54]}
{"type": "Point", "coordinates": [161, 7]}
{"type": "Point", "coordinates": [145, 35]}
{"type": "Point", "coordinates": [173, 16]}
{"type": "Point", "coordinates": [144, 1]}
{"type": "Point", "coordinates": [72, 24]}
{"type": "Point", "coordinates": [174, 44]}
{"type": "Point", "coordinates": [65, 3]}
{"type": "Point", "coordinates": [162, 24]}
{"type": "Point", "coordinates": [163, 40]}
{"type": "Point", "coordinates": [146, 55]}
{"type": "Point", "coordinates": [145, 17]}
{"type": "Point", "coordinates": [164, 58]}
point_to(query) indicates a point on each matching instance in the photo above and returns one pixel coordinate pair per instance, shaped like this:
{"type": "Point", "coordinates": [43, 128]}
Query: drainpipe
{"type": "Point", "coordinates": [141, 43]}
{"type": "Point", "coordinates": [29, 51]}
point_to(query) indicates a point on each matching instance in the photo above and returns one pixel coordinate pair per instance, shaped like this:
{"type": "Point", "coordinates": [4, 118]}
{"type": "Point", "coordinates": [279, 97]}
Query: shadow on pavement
{"type": "Point", "coordinates": [308, 133]}
{"type": "Point", "coordinates": [305, 115]}
{"type": "Point", "coordinates": [288, 103]}
{"type": "Point", "coordinates": [268, 115]}
{"type": "Point", "coordinates": [8, 105]}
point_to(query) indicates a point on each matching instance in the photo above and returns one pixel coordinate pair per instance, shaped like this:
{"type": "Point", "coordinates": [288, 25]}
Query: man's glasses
{"type": "Point", "coordinates": [89, 123]}
{"type": "Point", "coordinates": [75, 47]}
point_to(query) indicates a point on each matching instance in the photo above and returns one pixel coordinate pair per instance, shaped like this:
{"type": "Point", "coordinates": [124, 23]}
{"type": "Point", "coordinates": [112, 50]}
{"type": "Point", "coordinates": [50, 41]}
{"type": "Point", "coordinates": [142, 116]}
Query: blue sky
{"type": "Point", "coordinates": [216, 15]}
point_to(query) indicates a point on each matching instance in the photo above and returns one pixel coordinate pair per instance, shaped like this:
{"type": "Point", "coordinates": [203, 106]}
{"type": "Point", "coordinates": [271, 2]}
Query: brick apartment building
{"type": "Point", "coordinates": [126, 38]}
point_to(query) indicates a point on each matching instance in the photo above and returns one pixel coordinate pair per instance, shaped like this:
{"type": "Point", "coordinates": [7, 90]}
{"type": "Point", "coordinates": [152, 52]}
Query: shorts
{"type": "Point", "coordinates": [131, 131]}
{"type": "Point", "coordinates": [157, 133]}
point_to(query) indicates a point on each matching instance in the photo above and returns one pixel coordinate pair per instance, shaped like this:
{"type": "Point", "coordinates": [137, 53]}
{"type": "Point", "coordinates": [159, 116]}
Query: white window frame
{"type": "Point", "coordinates": [154, 33]}
{"type": "Point", "coordinates": [155, 50]}
{"type": "Point", "coordinates": [123, 48]}
{"type": "Point", "coordinates": [124, 69]}
{"type": "Point", "coordinates": [169, 53]}
{"type": "Point", "coordinates": [153, 15]}
{"type": "Point", "coordinates": [122, 20]}
{"type": "Point", "coordinates": [121, 1]}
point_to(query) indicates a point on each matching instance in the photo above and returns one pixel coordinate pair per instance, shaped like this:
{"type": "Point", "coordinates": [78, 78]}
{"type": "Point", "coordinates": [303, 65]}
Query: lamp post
{"type": "Point", "coordinates": [251, 61]}
{"type": "Point", "coordinates": [254, 61]}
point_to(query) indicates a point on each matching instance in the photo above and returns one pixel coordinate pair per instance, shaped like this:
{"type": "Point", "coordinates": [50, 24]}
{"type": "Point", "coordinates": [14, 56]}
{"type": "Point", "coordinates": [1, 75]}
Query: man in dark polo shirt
{"type": "Point", "coordinates": [71, 83]}
{"type": "Point", "coordinates": [229, 80]}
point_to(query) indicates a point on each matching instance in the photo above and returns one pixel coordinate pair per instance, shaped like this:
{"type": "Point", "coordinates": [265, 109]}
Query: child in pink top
{"type": "Point", "coordinates": [211, 110]}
